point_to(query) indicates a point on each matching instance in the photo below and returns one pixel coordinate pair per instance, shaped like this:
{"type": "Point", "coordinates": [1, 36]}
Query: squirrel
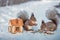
{"type": "Point", "coordinates": [50, 27]}
{"type": "Point", "coordinates": [28, 22]}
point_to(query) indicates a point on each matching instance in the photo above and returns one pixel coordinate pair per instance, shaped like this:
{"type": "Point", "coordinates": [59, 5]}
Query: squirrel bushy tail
{"type": "Point", "coordinates": [52, 15]}
{"type": "Point", "coordinates": [23, 15]}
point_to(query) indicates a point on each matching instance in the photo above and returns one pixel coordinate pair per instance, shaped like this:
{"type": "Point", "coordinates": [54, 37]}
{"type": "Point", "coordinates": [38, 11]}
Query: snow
{"type": "Point", "coordinates": [39, 9]}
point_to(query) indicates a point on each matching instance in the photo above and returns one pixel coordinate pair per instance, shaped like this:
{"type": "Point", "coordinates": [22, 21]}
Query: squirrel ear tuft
{"type": "Point", "coordinates": [33, 17]}
{"type": "Point", "coordinates": [32, 14]}
{"type": "Point", "coordinates": [43, 21]}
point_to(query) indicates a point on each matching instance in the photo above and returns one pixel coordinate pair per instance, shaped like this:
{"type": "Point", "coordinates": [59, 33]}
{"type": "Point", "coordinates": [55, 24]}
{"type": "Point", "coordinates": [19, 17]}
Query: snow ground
{"type": "Point", "coordinates": [39, 8]}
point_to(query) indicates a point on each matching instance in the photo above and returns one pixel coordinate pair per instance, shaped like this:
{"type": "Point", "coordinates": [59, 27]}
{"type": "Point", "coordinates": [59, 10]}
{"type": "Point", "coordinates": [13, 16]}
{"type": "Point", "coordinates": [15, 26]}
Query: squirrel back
{"type": "Point", "coordinates": [23, 15]}
{"type": "Point", "coordinates": [52, 15]}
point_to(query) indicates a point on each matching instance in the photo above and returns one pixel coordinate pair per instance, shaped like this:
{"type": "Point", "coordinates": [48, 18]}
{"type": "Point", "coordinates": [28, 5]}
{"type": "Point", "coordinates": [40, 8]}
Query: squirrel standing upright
{"type": "Point", "coordinates": [28, 22]}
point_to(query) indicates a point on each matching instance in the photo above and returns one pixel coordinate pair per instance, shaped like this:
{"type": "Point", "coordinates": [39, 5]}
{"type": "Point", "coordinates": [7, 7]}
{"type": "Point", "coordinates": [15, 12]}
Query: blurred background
{"type": "Point", "coordinates": [13, 2]}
